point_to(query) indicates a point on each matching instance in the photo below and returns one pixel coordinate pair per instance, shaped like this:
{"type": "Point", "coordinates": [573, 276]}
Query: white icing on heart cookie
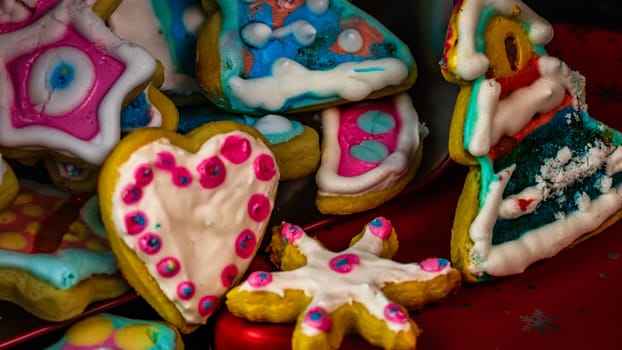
{"type": "Point", "coordinates": [196, 219]}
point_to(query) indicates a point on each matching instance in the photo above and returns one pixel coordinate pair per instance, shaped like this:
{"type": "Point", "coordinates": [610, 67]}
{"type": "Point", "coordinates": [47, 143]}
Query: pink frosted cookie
{"type": "Point", "coordinates": [331, 293]}
{"type": "Point", "coordinates": [281, 56]}
{"type": "Point", "coordinates": [370, 152]}
{"type": "Point", "coordinates": [63, 88]}
{"type": "Point", "coordinates": [187, 213]}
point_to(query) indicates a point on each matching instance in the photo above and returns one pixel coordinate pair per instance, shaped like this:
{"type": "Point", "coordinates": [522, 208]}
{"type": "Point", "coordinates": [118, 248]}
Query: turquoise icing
{"type": "Point", "coordinates": [191, 117]}
{"type": "Point", "coordinates": [315, 56]}
{"type": "Point", "coordinates": [370, 151]}
{"type": "Point", "coordinates": [181, 42]}
{"type": "Point", "coordinates": [164, 338]}
{"type": "Point", "coordinates": [376, 122]}
{"type": "Point", "coordinates": [61, 77]}
{"type": "Point", "coordinates": [63, 270]}
{"type": "Point", "coordinates": [91, 215]}
{"type": "Point", "coordinates": [577, 132]}
{"type": "Point", "coordinates": [136, 114]}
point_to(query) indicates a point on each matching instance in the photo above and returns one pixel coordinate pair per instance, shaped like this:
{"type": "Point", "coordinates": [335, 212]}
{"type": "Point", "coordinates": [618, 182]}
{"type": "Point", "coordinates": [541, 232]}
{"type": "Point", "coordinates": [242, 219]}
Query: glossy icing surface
{"type": "Point", "coordinates": [368, 147]}
{"type": "Point", "coordinates": [80, 253]}
{"type": "Point", "coordinates": [167, 198]}
{"type": "Point", "coordinates": [16, 14]}
{"type": "Point", "coordinates": [549, 172]}
{"type": "Point", "coordinates": [64, 87]}
{"type": "Point", "coordinates": [300, 53]}
{"type": "Point", "coordinates": [335, 279]}
{"type": "Point", "coordinates": [107, 331]}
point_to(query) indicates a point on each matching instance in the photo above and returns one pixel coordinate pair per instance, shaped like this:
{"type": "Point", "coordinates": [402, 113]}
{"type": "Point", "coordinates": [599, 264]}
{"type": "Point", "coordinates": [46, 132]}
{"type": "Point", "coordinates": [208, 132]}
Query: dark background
{"type": "Point", "coordinates": [597, 13]}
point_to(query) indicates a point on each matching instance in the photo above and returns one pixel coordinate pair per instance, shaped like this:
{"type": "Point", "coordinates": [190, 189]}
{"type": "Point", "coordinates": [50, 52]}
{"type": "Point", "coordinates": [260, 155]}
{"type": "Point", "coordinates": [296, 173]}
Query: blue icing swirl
{"type": "Point", "coordinates": [64, 269]}
{"type": "Point", "coordinates": [136, 113]}
{"type": "Point", "coordinates": [370, 151]}
{"type": "Point", "coordinates": [181, 42]}
{"type": "Point", "coordinates": [62, 76]}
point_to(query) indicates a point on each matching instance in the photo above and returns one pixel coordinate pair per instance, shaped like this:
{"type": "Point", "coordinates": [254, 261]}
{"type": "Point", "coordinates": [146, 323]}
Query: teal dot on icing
{"type": "Point", "coordinates": [370, 151]}
{"type": "Point", "coordinates": [376, 122]}
{"type": "Point", "coordinates": [62, 76]}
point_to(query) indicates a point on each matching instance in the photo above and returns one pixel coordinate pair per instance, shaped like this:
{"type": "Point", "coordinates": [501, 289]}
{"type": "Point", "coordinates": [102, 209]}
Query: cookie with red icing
{"type": "Point", "coordinates": [65, 79]}
{"type": "Point", "coordinates": [330, 293]}
{"type": "Point", "coordinates": [186, 213]}
{"type": "Point", "coordinates": [55, 259]}
{"type": "Point", "coordinates": [543, 174]}
{"type": "Point", "coordinates": [370, 152]}
{"type": "Point", "coordinates": [281, 56]}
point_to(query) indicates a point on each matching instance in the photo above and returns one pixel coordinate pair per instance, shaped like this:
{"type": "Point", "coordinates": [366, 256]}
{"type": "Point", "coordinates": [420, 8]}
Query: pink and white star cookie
{"type": "Point", "coordinates": [63, 87]}
{"type": "Point", "coordinates": [186, 214]}
{"type": "Point", "coordinates": [330, 293]}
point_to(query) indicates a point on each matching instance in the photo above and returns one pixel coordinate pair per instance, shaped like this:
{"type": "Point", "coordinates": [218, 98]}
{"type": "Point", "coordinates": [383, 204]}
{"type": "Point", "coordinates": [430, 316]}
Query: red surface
{"type": "Point", "coordinates": [571, 301]}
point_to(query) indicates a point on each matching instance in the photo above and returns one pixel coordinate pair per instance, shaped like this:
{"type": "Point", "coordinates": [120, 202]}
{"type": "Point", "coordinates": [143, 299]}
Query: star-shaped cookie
{"type": "Point", "coordinates": [331, 293]}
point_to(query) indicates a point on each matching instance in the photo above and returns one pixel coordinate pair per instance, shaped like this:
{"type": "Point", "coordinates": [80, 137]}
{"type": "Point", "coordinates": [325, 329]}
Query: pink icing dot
{"type": "Point", "coordinates": [168, 267]}
{"type": "Point", "coordinates": [135, 222]}
{"type": "Point", "coordinates": [245, 244]}
{"type": "Point", "coordinates": [380, 227]}
{"type": "Point", "coordinates": [182, 177]}
{"type": "Point", "coordinates": [259, 279]}
{"type": "Point", "coordinates": [236, 149]}
{"type": "Point", "coordinates": [207, 305]}
{"type": "Point", "coordinates": [319, 319]}
{"type": "Point", "coordinates": [143, 175]}
{"type": "Point", "coordinates": [433, 264]}
{"type": "Point", "coordinates": [228, 275]}
{"type": "Point", "coordinates": [212, 172]}
{"type": "Point", "coordinates": [150, 243]}
{"type": "Point", "coordinates": [185, 290]}
{"type": "Point", "coordinates": [131, 194]}
{"type": "Point", "coordinates": [291, 233]}
{"type": "Point", "coordinates": [165, 161]}
{"type": "Point", "coordinates": [259, 207]}
{"type": "Point", "coordinates": [344, 263]}
{"type": "Point", "coordinates": [264, 167]}
{"type": "Point", "coordinates": [395, 314]}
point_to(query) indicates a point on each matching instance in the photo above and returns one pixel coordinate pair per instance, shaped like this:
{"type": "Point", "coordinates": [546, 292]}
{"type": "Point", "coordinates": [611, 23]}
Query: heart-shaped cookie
{"type": "Point", "coordinates": [186, 214]}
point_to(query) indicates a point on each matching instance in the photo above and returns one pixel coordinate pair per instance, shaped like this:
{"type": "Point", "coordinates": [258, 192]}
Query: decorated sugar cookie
{"type": "Point", "coordinates": [63, 88]}
{"type": "Point", "coordinates": [186, 214]}
{"type": "Point", "coordinates": [107, 331]}
{"type": "Point", "coordinates": [168, 29]}
{"type": "Point", "coordinates": [8, 184]}
{"type": "Point", "coordinates": [296, 146]}
{"type": "Point", "coordinates": [370, 152]}
{"type": "Point", "coordinates": [54, 254]}
{"type": "Point", "coordinates": [282, 56]}
{"type": "Point", "coordinates": [329, 293]}
{"type": "Point", "coordinates": [544, 175]}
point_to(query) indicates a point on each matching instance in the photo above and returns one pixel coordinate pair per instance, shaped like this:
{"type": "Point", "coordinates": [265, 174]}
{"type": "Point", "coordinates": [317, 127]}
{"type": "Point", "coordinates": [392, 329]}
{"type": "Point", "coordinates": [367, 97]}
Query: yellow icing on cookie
{"type": "Point", "coordinates": [90, 331]}
{"type": "Point", "coordinates": [77, 232]}
{"type": "Point", "coordinates": [135, 337]}
{"type": "Point", "coordinates": [23, 198]}
{"type": "Point", "coordinates": [97, 245]}
{"type": "Point", "coordinates": [32, 228]}
{"type": "Point", "coordinates": [12, 241]}
{"type": "Point", "coordinates": [508, 46]}
{"type": "Point", "coordinates": [7, 217]}
{"type": "Point", "coordinates": [33, 210]}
